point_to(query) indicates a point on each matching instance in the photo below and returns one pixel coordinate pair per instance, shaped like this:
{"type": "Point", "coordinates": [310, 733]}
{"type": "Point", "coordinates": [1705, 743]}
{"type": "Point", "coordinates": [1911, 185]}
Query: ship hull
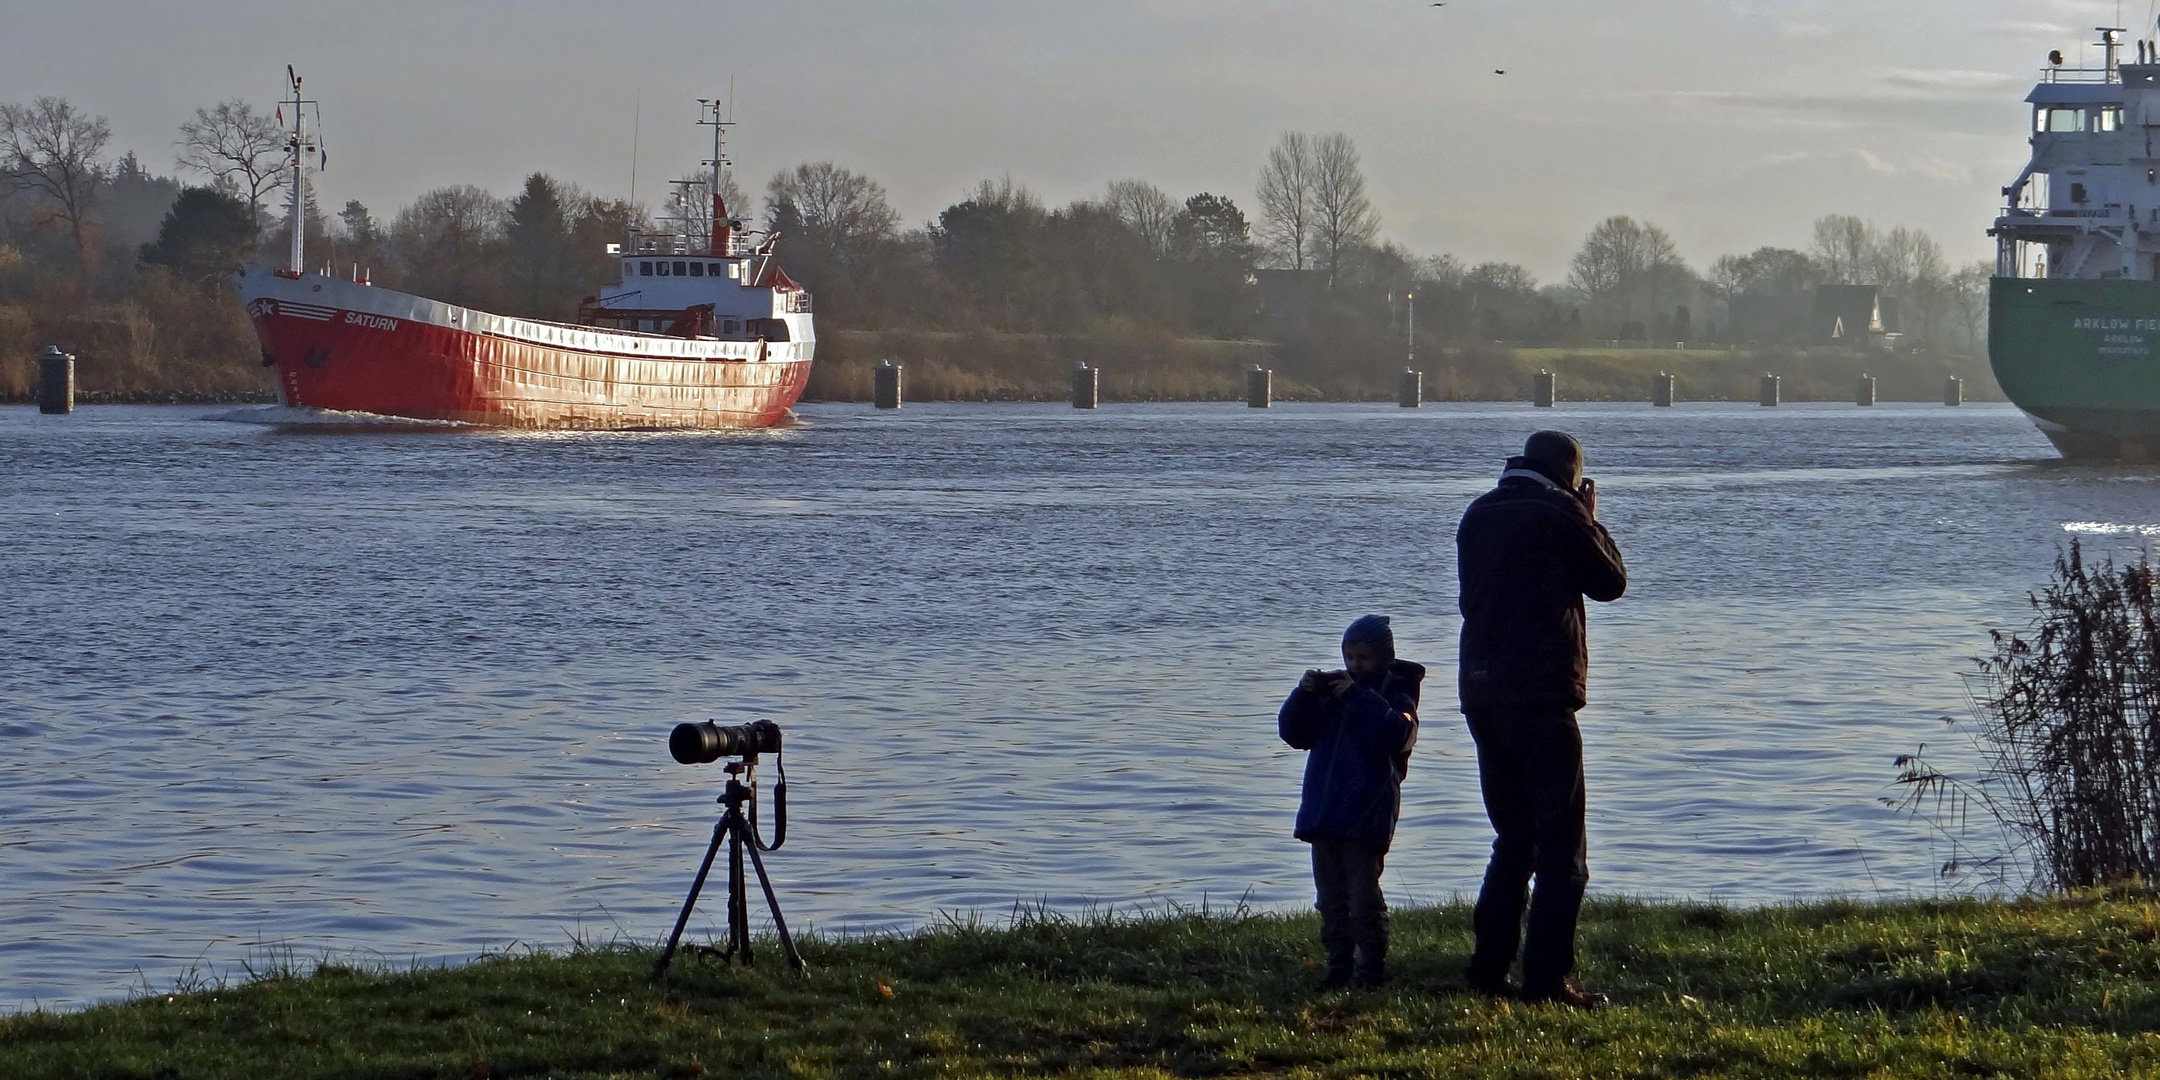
{"type": "Point", "coordinates": [347, 347]}
{"type": "Point", "coordinates": [2082, 358]}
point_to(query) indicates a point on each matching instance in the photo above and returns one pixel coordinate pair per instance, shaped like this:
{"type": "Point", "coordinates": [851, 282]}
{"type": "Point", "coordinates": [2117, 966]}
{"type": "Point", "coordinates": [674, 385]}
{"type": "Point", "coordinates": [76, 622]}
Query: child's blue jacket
{"type": "Point", "coordinates": [1359, 753]}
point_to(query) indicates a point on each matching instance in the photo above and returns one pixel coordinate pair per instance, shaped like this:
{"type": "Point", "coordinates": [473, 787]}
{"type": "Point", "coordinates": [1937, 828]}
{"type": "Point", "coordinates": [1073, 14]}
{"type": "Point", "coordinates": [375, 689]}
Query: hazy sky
{"type": "Point", "coordinates": [1733, 123]}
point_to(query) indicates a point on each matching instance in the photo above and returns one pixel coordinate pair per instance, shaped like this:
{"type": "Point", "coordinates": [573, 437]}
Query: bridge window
{"type": "Point", "coordinates": [644, 269]}
{"type": "Point", "coordinates": [2107, 118]}
{"type": "Point", "coordinates": [2060, 121]}
{"type": "Point", "coordinates": [663, 268]}
{"type": "Point", "coordinates": [697, 269]}
{"type": "Point", "coordinates": [680, 270]}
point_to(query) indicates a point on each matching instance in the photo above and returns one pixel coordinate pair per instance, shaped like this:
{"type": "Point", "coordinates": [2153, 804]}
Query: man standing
{"type": "Point", "coordinates": [1526, 555]}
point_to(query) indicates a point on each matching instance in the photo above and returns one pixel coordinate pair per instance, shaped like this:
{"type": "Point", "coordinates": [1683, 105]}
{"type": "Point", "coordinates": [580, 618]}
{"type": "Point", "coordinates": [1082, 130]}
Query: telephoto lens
{"type": "Point", "coordinates": [707, 742]}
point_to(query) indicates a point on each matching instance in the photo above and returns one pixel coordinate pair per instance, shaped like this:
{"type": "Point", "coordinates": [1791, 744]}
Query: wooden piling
{"type": "Point", "coordinates": [1410, 388]}
{"type": "Point", "coordinates": [1769, 390]}
{"type": "Point", "coordinates": [1865, 394]}
{"type": "Point", "coordinates": [1259, 387]}
{"type": "Point", "coordinates": [887, 379]}
{"type": "Point", "coordinates": [56, 381]}
{"type": "Point", "coordinates": [1661, 391]}
{"type": "Point", "coordinates": [1954, 391]}
{"type": "Point", "coordinates": [1086, 387]}
{"type": "Point", "coordinates": [1544, 389]}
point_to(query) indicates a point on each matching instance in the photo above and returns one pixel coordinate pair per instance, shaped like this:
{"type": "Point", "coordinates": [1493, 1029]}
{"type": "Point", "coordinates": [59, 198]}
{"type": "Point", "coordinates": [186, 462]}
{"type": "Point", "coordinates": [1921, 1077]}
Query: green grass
{"type": "Point", "coordinates": [1954, 989]}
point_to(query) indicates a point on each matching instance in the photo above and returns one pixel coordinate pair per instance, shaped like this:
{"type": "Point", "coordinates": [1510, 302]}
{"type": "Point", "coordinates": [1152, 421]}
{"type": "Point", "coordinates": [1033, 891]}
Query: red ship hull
{"type": "Point", "coordinates": [351, 348]}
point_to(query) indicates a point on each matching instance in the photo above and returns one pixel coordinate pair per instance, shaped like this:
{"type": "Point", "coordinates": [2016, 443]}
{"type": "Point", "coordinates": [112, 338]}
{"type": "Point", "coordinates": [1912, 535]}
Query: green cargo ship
{"type": "Point", "coordinates": [2074, 311]}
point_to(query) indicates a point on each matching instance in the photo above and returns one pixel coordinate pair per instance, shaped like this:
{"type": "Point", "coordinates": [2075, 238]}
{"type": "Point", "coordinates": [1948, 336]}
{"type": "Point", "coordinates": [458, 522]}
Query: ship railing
{"type": "Point", "coordinates": [2079, 75]}
{"type": "Point", "coordinates": [2027, 213]}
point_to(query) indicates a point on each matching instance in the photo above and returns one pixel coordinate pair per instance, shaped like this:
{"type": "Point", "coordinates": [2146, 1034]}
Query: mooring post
{"type": "Point", "coordinates": [1544, 389]}
{"type": "Point", "coordinates": [1954, 391]}
{"type": "Point", "coordinates": [1769, 389]}
{"type": "Point", "coordinates": [1410, 388]}
{"type": "Point", "coordinates": [1661, 391]}
{"type": "Point", "coordinates": [56, 381]}
{"type": "Point", "coordinates": [887, 378]}
{"type": "Point", "coordinates": [1865, 395]}
{"type": "Point", "coordinates": [1259, 387]}
{"type": "Point", "coordinates": [1086, 387]}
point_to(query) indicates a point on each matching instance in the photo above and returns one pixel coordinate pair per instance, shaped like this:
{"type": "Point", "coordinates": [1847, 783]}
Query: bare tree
{"type": "Point", "coordinates": [1286, 200]}
{"type": "Point", "coordinates": [843, 212]}
{"type": "Point", "coordinates": [1909, 264]}
{"type": "Point", "coordinates": [447, 243]}
{"type": "Point", "coordinates": [1625, 267]}
{"type": "Point", "coordinates": [1146, 209]}
{"type": "Point", "coordinates": [1968, 292]}
{"type": "Point", "coordinates": [54, 149]}
{"type": "Point", "coordinates": [1343, 217]}
{"type": "Point", "coordinates": [1845, 246]}
{"type": "Point", "coordinates": [239, 148]}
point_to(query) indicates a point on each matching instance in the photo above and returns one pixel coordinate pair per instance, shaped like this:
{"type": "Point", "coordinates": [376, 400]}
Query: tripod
{"type": "Point", "coordinates": [736, 830]}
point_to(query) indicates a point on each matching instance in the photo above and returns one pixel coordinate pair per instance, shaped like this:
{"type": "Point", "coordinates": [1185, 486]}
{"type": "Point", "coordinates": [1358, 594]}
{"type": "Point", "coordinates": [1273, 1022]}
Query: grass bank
{"type": "Point", "coordinates": [1140, 365]}
{"type": "Point", "coordinates": [168, 346]}
{"type": "Point", "coordinates": [1736, 374]}
{"type": "Point", "coordinates": [2062, 989]}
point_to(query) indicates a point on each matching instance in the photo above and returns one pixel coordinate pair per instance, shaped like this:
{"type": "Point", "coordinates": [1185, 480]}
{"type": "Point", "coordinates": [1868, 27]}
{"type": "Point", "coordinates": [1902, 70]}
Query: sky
{"type": "Point", "coordinates": [1730, 123]}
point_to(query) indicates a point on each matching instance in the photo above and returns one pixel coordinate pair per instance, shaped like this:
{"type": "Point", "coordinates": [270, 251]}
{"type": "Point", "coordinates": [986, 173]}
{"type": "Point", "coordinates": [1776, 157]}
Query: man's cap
{"type": "Point", "coordinates": [1556, 450]}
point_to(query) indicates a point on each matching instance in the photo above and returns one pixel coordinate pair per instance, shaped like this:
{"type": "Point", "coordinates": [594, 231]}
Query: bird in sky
{"type": "Point", "coordinates": [1499, 71]}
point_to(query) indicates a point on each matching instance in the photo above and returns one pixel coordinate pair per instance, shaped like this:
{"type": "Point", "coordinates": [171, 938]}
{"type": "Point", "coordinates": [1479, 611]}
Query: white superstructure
{"type": "Point", "coordinates": [2087, 204]}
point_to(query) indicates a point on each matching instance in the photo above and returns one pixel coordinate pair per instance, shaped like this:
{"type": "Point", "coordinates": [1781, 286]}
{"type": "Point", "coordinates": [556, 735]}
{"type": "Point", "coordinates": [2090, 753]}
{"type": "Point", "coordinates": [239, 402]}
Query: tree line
{"type": "Point", "coordinates": [1310, 267]}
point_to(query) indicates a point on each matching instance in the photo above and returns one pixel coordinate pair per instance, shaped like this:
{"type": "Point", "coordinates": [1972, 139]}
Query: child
{"type": "Point", "coordinates": [1359, 725]}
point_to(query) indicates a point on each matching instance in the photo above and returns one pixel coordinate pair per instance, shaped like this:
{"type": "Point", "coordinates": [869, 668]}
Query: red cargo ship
{"type": "Point", "coordinates": [699, 331]}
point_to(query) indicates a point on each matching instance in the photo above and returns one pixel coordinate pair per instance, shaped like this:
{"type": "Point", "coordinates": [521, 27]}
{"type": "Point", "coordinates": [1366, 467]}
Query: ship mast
{"type": "Point", "coordinates": [296, 146]}
{"type": "Point", "coordinates": [2111, 42]}
{"type": "Point", "coordinates": [722, 233]}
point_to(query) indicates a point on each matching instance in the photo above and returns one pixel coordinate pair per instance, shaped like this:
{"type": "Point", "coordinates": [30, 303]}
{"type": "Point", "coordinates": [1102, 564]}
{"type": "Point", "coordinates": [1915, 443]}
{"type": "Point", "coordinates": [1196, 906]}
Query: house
{"type": "Point", "coordinates": [1851, 316]}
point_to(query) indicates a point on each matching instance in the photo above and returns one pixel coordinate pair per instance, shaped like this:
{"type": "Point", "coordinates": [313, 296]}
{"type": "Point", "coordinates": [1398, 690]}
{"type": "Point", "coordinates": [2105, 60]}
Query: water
{"type": "Point", "coordinates": [404, 694]}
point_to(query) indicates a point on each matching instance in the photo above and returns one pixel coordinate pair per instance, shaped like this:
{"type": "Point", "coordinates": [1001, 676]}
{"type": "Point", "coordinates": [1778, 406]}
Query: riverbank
{"type": "Point", "coordinates": [2057, 988]}
{"type": "Point", "coordinates": [137, 353]}
{"type": "Point", "coordinates": [1137, 365]}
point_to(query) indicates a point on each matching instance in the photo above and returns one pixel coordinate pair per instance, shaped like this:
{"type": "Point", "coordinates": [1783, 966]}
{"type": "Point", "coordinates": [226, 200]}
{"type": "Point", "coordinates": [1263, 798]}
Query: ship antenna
{"type": "Point", "coordinates": [297, 146]}
{"type": "Point", "coordinates": [718, 238]}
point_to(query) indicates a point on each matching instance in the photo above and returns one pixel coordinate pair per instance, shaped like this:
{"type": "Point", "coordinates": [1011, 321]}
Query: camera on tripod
{"type": "Point", "coordinates": [703, 744]}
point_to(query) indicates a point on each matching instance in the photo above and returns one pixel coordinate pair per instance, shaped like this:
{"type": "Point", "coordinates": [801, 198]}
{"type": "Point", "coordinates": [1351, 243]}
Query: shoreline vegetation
{"type": "Point", "coordinates": [2065, 987]}
{"type": "Point", "coordinates": [1137, 364]}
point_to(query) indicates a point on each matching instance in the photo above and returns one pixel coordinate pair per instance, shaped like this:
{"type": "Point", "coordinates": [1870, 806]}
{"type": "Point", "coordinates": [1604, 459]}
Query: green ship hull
{"type": "Point", "coordinates": [2082, 358]}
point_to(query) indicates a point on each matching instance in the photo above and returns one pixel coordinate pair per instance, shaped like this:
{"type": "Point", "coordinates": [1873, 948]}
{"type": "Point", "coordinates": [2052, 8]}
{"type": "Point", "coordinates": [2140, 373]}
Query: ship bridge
{"type": "Point", "coordinates": [706, 279]}
{"type": "Point", "coordinates": [2087, 204]}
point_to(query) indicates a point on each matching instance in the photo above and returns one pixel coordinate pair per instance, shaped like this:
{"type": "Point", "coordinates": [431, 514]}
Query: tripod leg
{"type": "Point", "coordinates": [787, 943]}
{"type": "Point", "coordinates": [738, 911]}
{"type": "Point", "coordinates": [719, 831]}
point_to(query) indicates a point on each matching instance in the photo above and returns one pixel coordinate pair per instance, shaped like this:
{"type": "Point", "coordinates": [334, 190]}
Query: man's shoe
{"type": "Point", "coordinates": [1569, 995]}
{"type": "Point", "coordinates": [1369, 980]}
{"type": "Point", "coordinates": [1335, 979]}
{"type": "Point", "coordinates": [1492, 986]}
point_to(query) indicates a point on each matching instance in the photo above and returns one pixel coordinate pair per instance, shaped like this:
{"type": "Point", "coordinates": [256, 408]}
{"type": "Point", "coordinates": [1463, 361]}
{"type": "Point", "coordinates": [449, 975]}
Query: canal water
{"type": "Point", "coordinates": [393, 694]}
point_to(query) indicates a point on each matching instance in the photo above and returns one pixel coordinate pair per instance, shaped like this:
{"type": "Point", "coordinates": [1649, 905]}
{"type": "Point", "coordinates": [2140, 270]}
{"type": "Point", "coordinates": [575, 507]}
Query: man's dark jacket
{"type": "Point", "coordinates": [1360, 751]}
{"type": "Point", "coordinates": [1526, 554]}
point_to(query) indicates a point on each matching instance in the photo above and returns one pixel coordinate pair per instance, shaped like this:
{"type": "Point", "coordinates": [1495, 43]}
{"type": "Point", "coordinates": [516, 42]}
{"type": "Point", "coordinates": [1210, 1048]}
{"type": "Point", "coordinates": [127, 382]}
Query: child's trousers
{"type": "Point", "coordinates": [1353, 914]}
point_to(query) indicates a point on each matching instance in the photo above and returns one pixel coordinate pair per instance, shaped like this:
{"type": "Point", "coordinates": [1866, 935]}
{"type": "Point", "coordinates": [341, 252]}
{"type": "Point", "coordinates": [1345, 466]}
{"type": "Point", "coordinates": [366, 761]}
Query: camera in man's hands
{"type": "Point", "coordinates": [705, 743]}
